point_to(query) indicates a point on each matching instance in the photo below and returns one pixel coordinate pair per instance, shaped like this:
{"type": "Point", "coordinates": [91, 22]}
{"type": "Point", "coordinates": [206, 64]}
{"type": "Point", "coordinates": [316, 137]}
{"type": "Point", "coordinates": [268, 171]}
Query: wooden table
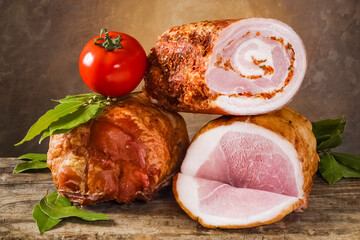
{"type": "Point", "coordinates": [333, 213]}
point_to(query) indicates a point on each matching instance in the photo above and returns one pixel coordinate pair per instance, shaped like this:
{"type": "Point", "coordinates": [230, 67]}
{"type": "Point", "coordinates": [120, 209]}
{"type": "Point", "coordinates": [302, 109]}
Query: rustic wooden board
{"type": "Point", "coordinates": [333, 213]}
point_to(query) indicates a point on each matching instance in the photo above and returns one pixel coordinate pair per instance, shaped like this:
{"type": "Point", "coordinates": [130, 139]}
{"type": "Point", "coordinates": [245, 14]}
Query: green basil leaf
{"type": "Point", "coordinates": [21, 167]}
{"type": "Point", "coordinates": [56, 212]}
{"type": "Point", "coordinates": [82, 115]}
{"type": "Point", "coordinates": [34, 156]}
{"type": "Point", "coordinates": [32, 161]}
{"type": "Point", "coordinates": [61, 201]}
{"type": "Point", "coordinates": [334, 166]}
{"type": "Point", "coordinates": [53, 208]}
{"type": "Point", "coordinates": [349, 160]}
{"type": "Point", "coordinates": [333, 141]}
{"type": "Point", "coordinates": [68, 122]}
{"type": "Point", "coordinates": [99, 111]}
{"type": "Point", "coordinates": [324, 138]}
{"type": "Point", "coordinates": [46, 133]}
{"type": "Point", "coordinates": [72, 111]}
{"type": "Point", "coordinates": [58, 200]}
{"type": "Point", "coordinates": [81, 98]}
{"type": "Point", "coordinates": [52, 196]}
{"type": "Point", "coordinates": [328, 127]}
{"type": "Point", "coordinates": [349, 172]}
{"type": "Point", "coordinates": [332, 171]}
{"type": "Point", "coordinates": [43, 221]}
{"type": "Point", "coordinates": [330, 168]}
{"type": "Point", "coordinates": [49, 117]}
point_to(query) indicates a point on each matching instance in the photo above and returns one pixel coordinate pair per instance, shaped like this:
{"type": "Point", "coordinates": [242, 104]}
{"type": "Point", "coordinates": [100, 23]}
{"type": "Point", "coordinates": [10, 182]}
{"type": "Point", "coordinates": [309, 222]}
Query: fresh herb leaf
{"type": "Point", "coordinates": [68, 122]}
{"type": "Point", "coordinates": [328, 127]}
{"type": "Point", "coordinates": [43, 221]}
{"type": "Point", "coordinates": [334, 166]}
{"type": "Point", "coordinates": [333, 171]}
{"type": "Point", "coordinates": [82, 115]}
{"type": "Point", "coordinates": [332, 142]}
{"type": "Point", "coordinates": [28, 165]}
{"type": "Point", "coordinates": [53, 208]}
{"type": "Point", "coordinates": [72, 111]}
{"type": "Point", "coordinates": [330, 168]}
{"type": "Point", "coordinates": [81, 98]}
{"type": "Point", "coordinates": [32, 161]}
{"type": "Point", "coordinates": [57, 212]}
{"type": "Point", "coordinates": [349, 172]}
{"type": "Point", "coordinates": [328, 133]}
{"type": "Point", "coordinates": [349, 160]}
{"type": "Point", "coordinates": [34, 156]}
{"type": "Point", "coordinates": [50, 116]}
{"type": "Point", "coordinates": [58, 200]}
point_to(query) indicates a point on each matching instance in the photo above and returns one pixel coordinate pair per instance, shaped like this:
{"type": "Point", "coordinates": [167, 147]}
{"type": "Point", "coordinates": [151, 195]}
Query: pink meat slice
{"type": "Point", "coordinates": [246, 160]}
{"type": "Point", "coordinates": [228, 82]}
{"type": "Point", "coordinates": [257, 65]}
{"type": "Point", "coordinates": [223, 200]}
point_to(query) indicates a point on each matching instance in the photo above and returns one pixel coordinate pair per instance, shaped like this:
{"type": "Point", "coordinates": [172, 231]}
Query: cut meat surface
{"type": "Point", "coordinates": [221, 204]}
{"type": "Point", "coordinates": [240, 202]}
{"type": "Point", "coordinates": [247, 171]}
{"type": "Point", "coordinates": [243, 60]}
{"type": "Point", "coordinates": [247, 161]}
{"type": "Point", "coordinates": [234, 67]}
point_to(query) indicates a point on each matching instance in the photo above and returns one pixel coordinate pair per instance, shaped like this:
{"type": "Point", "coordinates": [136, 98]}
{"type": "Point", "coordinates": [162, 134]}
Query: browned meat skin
{"type": "Point", "coordinates": [177, 64]}
{"type": "Point", "coordinates": [127, 153]}
{"type": "Point", "coordinates": [293, 127]}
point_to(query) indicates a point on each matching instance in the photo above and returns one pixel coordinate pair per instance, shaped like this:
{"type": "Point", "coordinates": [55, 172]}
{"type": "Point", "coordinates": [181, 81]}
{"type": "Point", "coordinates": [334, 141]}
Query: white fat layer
{"type": "Point", "coordinates": [187, 188]}
{"type": "Point", "coordinates": [200, 150]}
{"type": "Point", "coordinates": [259, 51]}
{"type": "Point", "coordinates": [240, 105]}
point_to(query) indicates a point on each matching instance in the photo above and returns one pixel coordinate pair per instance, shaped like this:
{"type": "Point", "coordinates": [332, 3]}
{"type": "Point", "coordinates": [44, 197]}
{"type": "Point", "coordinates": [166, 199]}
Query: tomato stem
{"type": "Point", "coordinates": [109, 43]}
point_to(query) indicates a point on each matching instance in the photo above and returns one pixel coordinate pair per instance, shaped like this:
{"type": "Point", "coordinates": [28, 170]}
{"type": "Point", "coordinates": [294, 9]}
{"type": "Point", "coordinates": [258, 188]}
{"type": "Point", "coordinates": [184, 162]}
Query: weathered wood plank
{"type": "Point", "coordinates": [333, 213]}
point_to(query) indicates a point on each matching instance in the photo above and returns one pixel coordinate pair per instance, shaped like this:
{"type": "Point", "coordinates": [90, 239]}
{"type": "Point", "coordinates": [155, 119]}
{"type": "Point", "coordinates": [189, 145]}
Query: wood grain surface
{"type": "Point", "coordinates": [333, 213]}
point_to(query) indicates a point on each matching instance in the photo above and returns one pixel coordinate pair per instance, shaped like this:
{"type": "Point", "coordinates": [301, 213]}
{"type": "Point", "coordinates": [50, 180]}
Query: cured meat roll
{"type": "Point", "coordinates": [233, 67]}
{"type": "Point", "coordinates": [247, 171]}
{"type": "Point", "coordinates": [131, 150]}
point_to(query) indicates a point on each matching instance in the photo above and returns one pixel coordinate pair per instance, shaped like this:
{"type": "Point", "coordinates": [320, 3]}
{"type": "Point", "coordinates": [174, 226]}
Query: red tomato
{"type": "Point", "coordinates": [113, 73]}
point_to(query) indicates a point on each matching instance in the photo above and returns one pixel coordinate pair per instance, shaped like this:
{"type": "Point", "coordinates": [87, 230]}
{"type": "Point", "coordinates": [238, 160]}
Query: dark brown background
{"type": "Point", "coordinates": [40, 42]}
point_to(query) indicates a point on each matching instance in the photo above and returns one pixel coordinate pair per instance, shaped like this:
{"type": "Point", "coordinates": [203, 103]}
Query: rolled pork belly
{"type": "Point", "coordinates": [232, 67]}
{"type": "Point", "coordinates": [129, 152]}
{"type": "Point", "coordinates": [247, 171]}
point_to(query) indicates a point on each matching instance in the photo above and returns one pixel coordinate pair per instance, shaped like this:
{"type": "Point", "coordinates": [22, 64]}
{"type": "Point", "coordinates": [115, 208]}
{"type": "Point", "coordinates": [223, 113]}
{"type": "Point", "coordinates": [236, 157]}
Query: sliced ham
{"type": "Point", "coordinates": [235, 67]}
{"type": "Point", "coordinates": [248, 171]}
{"type": "Point", "coordinates": [129, 152]}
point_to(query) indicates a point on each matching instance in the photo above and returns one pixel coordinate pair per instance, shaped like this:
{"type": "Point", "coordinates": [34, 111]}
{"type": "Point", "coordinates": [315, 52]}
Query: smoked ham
{"type": "Point", "coordinates": [233, 67]}
{"type": "Point", "coordinates": [129, 152]}
{"type": "Point", "coordinates": [247, 171]}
